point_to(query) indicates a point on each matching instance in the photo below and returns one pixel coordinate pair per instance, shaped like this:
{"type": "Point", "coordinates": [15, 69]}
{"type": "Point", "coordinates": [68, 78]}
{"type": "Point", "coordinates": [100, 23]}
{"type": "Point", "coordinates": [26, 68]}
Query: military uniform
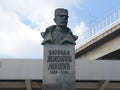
{"type": "Point", "coordinates": [58, 35]}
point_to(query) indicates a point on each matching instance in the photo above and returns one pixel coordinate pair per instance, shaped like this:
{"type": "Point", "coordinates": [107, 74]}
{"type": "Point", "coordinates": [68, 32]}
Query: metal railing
{"type": "Point", "coordinates": [101, 26]}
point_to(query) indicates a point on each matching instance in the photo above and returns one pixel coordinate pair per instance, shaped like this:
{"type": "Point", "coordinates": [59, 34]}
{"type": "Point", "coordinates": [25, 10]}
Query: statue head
{"type": "Point", "coordinates": [61, 17]}
{"type": "Point", "coordinates": [57, 35]}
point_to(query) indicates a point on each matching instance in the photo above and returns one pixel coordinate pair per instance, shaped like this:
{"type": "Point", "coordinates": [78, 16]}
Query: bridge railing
{"type": "Point", "coordinates": [101, 26]}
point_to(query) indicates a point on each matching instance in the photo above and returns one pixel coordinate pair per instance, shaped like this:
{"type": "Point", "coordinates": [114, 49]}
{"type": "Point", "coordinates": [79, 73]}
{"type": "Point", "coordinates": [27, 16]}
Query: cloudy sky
{"type": "Point", "coordinates": [21, 22]}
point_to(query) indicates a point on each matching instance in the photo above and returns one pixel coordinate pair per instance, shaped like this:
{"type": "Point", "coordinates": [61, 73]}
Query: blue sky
{"type": "Point", "coordinates": [21, 22]}
{"type": "Point", "coordinates": [98, 8]}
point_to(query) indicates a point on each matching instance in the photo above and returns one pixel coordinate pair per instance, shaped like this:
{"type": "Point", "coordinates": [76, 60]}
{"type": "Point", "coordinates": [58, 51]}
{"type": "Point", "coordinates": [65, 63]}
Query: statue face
{"type": "Point", "coordinates": [61, 20]}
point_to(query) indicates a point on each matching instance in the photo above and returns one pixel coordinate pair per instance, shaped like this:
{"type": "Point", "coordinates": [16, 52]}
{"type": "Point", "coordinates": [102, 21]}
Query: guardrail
{"type": "Point", "coordinates": [101, 26]}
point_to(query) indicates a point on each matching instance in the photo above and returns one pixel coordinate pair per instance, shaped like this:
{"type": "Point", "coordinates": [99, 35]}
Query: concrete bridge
{"type": "Point", "coordinates": [104, 43]}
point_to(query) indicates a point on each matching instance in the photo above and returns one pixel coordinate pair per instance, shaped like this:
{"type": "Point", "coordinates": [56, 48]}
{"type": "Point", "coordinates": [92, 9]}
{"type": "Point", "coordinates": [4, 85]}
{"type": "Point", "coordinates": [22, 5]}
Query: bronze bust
{"type": "Point", "coordinates": [59, 33]}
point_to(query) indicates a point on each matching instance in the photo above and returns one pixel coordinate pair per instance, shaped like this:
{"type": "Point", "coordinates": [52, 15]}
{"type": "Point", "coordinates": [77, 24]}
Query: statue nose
{"type": "Point", "coordinates": [64, 18]}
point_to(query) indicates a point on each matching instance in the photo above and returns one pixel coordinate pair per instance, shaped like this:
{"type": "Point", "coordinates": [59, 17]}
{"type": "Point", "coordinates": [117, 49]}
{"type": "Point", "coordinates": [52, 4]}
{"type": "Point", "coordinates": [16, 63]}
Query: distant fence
{"type": "Point", "coordinates": [101, 26]}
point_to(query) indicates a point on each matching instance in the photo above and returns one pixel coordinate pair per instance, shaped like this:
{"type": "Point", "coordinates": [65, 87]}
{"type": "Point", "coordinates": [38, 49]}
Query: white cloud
{"type": "Point", "coordinates": [38, 11]}
{"type": "Point", "coordinates": [19, 40]}
{"type": "Point", "coordinates": [79, 30]}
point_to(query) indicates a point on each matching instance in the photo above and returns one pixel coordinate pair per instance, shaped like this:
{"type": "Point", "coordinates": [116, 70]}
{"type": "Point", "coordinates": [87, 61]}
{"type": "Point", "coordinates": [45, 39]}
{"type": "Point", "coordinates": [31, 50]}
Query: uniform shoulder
{"type": "Point", "coordinates": [51, 27]}
{"type": "Point", "coordinates": [48, 30]}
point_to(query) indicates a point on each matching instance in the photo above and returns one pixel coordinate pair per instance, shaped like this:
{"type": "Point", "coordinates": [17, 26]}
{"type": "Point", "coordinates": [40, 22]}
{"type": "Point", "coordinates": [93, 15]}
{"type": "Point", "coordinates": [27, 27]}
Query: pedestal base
{"type": "Point", "coordinates": [59, 67]}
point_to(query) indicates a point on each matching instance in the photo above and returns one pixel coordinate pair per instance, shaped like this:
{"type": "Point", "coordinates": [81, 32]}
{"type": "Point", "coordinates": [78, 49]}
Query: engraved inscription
{"type": "Point", "coordinates": [59, 61]}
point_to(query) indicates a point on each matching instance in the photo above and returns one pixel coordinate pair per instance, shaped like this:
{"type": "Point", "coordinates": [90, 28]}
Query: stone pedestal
{"type": "Point", "coordinates": [59, 67]}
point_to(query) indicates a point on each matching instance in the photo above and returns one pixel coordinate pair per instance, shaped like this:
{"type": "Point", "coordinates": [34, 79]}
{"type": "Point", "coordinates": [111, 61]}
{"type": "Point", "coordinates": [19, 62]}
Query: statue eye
{"type": "Point", "coordinates": [63, 16]}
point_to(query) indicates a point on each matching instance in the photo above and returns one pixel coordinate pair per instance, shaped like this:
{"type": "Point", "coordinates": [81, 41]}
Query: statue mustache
{"type": "Point", "coordinates": [63, 21]}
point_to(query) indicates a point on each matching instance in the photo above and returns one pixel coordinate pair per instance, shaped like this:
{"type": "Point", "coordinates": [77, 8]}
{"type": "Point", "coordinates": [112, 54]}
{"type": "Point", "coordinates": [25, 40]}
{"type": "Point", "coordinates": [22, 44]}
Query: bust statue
{"type": "Point", "coordinates": [59, 33]}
